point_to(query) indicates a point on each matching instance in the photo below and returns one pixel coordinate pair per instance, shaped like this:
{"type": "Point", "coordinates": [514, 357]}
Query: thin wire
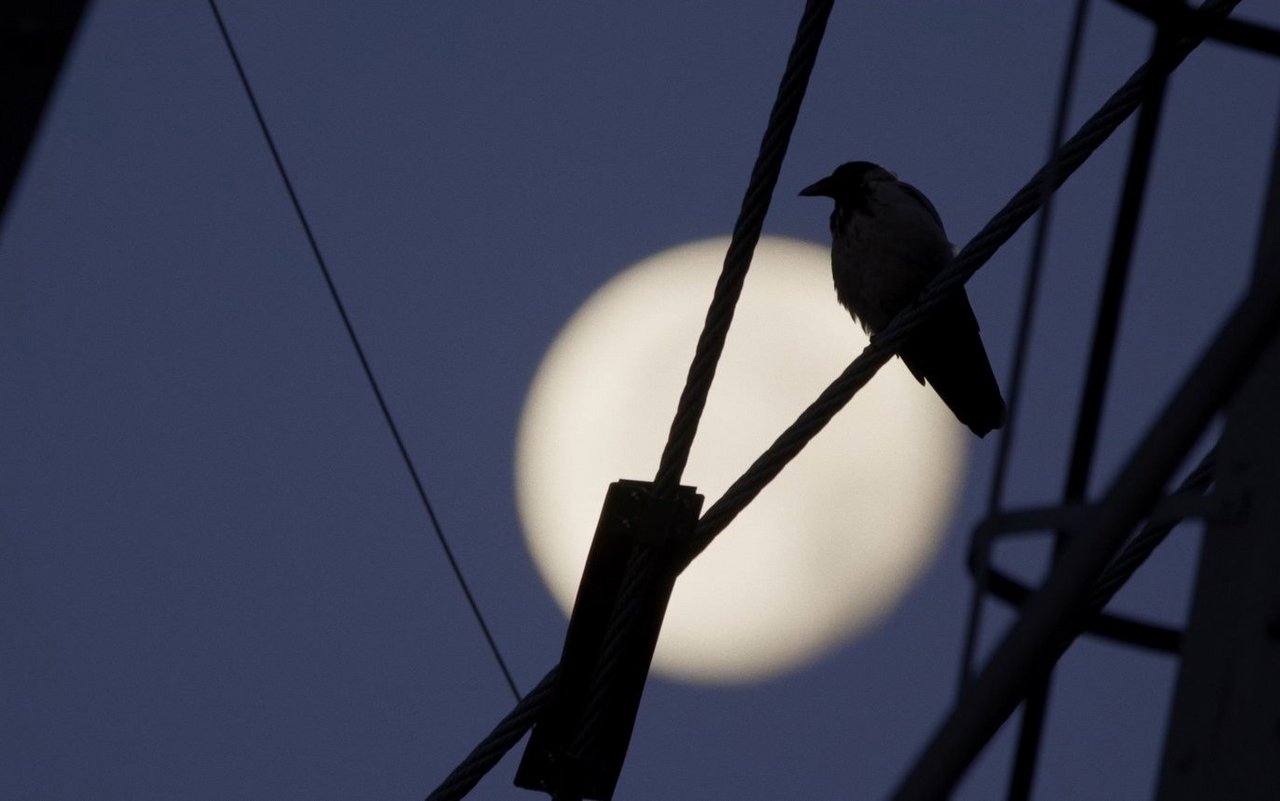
{"type": "Point", "coordinates": [1035, 268]}
{"type": "Point", "coordinates": [364, 361]}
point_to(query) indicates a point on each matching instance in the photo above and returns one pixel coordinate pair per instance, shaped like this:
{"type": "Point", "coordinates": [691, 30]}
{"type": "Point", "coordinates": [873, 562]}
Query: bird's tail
{"type": "Point", "coordinates": [947, 352]}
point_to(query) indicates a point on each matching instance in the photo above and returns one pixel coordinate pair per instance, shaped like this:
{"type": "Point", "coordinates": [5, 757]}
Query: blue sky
{"type": "Point", "coordinates": [216, 579]}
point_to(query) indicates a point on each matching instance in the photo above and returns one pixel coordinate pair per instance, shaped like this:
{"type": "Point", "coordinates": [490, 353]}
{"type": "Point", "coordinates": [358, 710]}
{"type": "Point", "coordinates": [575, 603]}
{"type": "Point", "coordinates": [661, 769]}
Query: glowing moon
{"type": "Point", "coordinates": [829, 547]}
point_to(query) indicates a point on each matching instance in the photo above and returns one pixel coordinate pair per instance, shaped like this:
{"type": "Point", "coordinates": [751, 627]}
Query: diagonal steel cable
{"type": "Point", "coordinates": [1065, 161]}
{"type": "Point", "coordinates": [1097, 379]}
{"type": "Point", "coordinates": [968, 261]}
{"type": "Point", "coordinates": [1035, 268]}
{"type": "Point", "coordinates": [742, 244]}
{"type": "Point", "coordinates": [364, 361]}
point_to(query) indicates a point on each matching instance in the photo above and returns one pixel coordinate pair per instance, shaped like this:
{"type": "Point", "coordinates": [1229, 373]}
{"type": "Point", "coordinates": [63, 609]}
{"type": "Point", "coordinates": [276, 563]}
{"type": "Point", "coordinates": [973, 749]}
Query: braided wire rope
{"type": "Point", "coordinates": [1055, 615]}
{"type": "Point", "coordinates": [365, 366]}
{"type": "Point", "coordinates": [1068, 158]}
{"type": "Point", "coordinates": [742, 244]}
{"type": "Point", "coordinates": [1025, 202]}
{"type": "Point", "coordinates": [498, 742]}
{"type": "Point", "coordinates": [693, 397]}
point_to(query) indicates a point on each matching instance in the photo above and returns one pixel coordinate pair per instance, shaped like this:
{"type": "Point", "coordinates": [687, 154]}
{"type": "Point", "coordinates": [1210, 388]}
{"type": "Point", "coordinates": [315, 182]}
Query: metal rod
{"type": "Point", "coordinates": [1097, 378]}
{"type": "Point", "coordinates": [1222, 722]}
{"type": "Point", "coordinates": [1054, 616]}
{"type": "Point", "coordinates": [1035, 267]}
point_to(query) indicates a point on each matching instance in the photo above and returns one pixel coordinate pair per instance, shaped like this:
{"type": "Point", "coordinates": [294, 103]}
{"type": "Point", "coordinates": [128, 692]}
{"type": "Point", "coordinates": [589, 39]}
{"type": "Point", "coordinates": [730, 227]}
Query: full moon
{"type": "Point", "coordinates": [827, 549]}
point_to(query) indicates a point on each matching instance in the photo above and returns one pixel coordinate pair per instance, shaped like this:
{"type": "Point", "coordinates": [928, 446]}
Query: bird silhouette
{"type": "Point", "coordinates": [887, 243]}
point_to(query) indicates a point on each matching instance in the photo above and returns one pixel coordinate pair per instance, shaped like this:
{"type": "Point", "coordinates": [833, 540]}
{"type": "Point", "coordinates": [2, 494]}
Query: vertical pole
{"type": "Point", "coordinates": [1224, 730]}
{"type": "Point", "coordinates": [34, 38]}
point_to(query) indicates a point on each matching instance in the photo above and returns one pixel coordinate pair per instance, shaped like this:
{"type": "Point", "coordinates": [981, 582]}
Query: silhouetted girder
{"type": "Point", "coordinates": [1055, 615]}
{"type": "Point", "coordinates": [34, 38]}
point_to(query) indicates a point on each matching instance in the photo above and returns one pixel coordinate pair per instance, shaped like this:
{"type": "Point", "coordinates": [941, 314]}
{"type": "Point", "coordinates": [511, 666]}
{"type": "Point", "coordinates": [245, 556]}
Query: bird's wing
{"type": "Point", "coordinates": [924, 201]}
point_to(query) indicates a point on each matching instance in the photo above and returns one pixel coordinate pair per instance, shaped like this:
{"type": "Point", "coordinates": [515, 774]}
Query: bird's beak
{"type": "Point", "coordinates": [820, 189]}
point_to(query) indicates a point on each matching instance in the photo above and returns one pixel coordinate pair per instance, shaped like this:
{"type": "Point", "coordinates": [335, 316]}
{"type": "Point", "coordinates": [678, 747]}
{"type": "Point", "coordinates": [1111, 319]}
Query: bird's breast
{"type": "Point", "coordinates": [880, 260]}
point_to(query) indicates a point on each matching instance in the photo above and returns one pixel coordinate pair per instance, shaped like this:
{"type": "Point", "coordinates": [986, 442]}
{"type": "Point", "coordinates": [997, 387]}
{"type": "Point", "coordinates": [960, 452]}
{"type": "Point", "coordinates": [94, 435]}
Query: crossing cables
{"type": "Point", "coordinates": [693, 398]}
{"type": "Point", "coordinates": [1020, 208]}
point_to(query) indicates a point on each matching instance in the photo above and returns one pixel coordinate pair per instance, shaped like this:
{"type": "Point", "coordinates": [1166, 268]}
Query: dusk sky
{"type": "Point", "coordinates": [216, 578]}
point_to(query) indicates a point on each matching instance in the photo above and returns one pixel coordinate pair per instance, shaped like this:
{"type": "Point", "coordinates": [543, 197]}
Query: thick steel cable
{"type": "Point", "coordinates": [742, 244]}
{"type": "Point", "coordinates": [980, 249]}
{"type": "Point", "coordinates": [715, 329]}
{"type": "Point", "coordinates": [364, 361]}
{"type": "Point", "coordinates": [499, 741]}
{"type": "Point", "coordinates": [1035, 268]}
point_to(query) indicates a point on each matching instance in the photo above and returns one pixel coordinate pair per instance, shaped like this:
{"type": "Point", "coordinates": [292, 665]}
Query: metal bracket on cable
{"type": "Point", "coordinates": [636, 527]}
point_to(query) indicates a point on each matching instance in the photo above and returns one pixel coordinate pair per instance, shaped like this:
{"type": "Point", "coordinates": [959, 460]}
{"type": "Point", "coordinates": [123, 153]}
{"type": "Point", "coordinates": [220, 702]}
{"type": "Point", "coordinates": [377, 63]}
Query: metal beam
{"type": "Point", "coordinates": [1224, 731]}
{"type": "Point", "coordinates": [34, 38]}
{"type": "Point", "coordinates": [1056, 614]}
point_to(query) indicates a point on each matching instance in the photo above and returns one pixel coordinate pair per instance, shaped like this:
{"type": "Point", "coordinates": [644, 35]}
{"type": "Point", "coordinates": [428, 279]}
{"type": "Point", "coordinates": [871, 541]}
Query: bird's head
{"type": "Point", "coordinates": [849, 182]}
